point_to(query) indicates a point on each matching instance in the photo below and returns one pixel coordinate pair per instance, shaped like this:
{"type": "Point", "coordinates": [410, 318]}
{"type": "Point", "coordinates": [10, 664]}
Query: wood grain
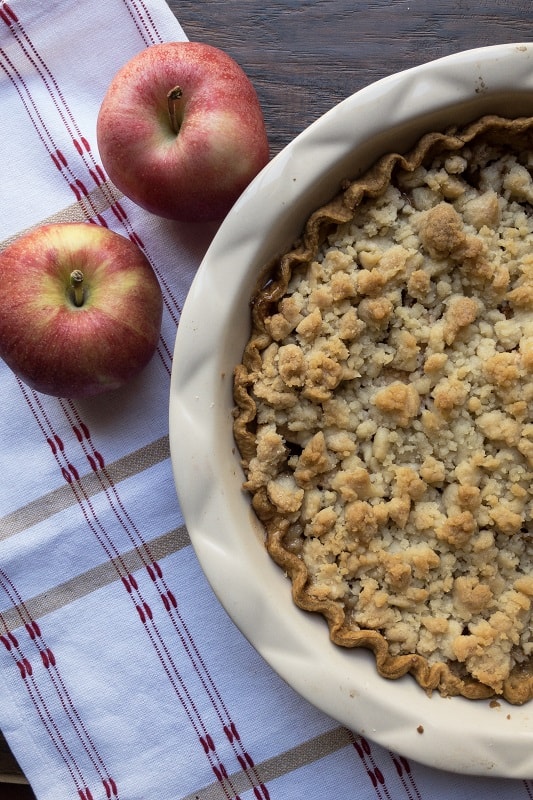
{"type": "Point", "coordinates": [304, 56]}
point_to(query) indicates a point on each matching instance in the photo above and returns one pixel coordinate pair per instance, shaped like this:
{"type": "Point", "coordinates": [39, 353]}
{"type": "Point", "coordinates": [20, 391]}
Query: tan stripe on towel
{"type": "Point", "coordinates": [288, 761]}
{"type": "Point", "coordinates": [96, 578]}
{"type": "Point", "coordinates": [63, 497]}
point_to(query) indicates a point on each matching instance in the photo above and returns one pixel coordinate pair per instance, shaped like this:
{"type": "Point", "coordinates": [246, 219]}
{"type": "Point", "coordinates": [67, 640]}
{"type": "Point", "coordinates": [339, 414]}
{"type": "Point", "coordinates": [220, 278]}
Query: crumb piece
{"type": "Point", "coordinates": [399, 401]}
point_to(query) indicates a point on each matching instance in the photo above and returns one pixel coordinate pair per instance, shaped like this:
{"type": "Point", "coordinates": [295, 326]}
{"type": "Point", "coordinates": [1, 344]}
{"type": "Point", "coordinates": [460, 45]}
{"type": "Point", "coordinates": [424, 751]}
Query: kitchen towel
{"type": "Point", "coordinates": [121, 676]}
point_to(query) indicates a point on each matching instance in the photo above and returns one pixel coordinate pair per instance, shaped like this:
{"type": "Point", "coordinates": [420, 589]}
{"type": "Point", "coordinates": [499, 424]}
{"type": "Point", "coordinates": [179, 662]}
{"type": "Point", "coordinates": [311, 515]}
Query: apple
{"type": "Point", "coordinates": [180, 131]}
{"type": "Point", "coordinates": [80, 309]}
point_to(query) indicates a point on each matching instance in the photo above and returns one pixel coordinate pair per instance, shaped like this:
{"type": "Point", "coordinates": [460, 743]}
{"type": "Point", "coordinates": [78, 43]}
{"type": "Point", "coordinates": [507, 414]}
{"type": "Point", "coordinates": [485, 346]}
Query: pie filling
{"type": "Point", "coordinates": [384, 412]}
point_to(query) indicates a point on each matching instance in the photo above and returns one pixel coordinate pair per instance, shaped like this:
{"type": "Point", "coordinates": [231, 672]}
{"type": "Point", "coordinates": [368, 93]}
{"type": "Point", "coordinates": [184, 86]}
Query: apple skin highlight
{"type": "Point", "coordinates": [187, 159]}
{"type": "Point", "coordinates": [57, 347]}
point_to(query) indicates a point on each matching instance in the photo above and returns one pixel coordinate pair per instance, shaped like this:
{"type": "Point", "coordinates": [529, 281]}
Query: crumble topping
{"type": "Point", "coordinates": [392, 422]}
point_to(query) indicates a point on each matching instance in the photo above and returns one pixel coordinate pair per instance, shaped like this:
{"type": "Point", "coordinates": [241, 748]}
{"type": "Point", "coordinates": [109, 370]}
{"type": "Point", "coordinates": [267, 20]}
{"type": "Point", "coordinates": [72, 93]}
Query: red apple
{"type": "Point", "coordinates": [80, 309]}
{"type": "Point", "coordinates": [180, 131]}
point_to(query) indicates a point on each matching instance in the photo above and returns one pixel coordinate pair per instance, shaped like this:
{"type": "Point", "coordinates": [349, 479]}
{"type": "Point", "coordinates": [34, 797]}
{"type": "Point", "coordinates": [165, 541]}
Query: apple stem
{"type": "Point", "coordinates": [76, 282]}
{"type": "Point", "coordinates": [174, 110]}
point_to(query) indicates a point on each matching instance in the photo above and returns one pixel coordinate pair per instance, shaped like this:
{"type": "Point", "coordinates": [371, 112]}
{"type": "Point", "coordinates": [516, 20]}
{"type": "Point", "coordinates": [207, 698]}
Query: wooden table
{"type": "Point", "coordinates": [304, 56]}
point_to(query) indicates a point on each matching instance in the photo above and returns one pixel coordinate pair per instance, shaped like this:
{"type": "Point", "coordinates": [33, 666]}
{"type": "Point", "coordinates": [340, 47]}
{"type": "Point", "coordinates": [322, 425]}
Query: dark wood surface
{"type": "Point", "coordinates": [13, 785]}
{"type": "Point", "coordinates": [304, 56]}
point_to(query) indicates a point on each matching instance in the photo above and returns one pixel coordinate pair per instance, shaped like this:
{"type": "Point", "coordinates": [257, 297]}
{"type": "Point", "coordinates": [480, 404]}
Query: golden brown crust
{"type": "Point", "coordinates": [285, 497]}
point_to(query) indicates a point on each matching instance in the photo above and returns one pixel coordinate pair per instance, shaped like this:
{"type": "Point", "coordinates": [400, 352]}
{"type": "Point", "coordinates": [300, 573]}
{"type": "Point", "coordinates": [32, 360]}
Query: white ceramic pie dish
{"type": "Point", "coordinates": [470, 737]}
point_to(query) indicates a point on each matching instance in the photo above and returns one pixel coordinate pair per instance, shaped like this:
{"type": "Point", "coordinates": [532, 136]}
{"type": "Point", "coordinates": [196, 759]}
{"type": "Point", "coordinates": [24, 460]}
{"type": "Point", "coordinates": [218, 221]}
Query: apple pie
{"type": "Point", "coordinates": [383, 412]}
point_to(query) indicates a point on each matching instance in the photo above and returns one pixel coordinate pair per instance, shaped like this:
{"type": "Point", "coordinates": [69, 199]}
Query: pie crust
{"type": "Point", "coordinates": [383, 412]}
